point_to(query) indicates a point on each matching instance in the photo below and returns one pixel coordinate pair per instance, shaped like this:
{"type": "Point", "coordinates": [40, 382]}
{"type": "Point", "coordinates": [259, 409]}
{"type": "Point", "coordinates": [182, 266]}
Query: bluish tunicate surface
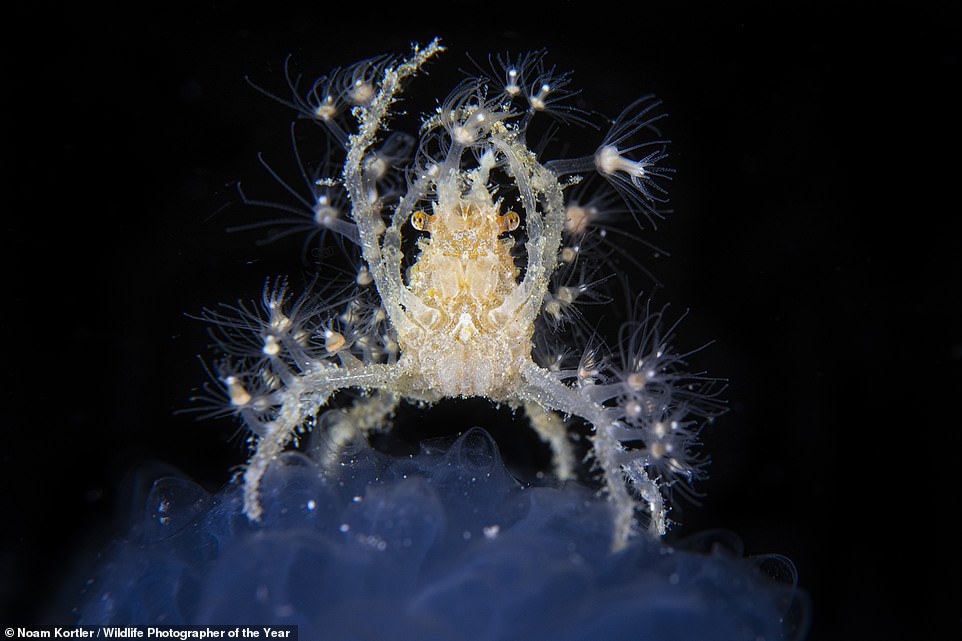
{"type": "Point", "coordinates": [443, 545]}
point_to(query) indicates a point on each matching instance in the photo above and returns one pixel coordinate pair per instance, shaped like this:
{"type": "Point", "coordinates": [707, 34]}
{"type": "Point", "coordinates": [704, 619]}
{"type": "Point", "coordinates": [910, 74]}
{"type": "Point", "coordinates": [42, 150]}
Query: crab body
{"type": "Point", "coordinates": [463, 319]}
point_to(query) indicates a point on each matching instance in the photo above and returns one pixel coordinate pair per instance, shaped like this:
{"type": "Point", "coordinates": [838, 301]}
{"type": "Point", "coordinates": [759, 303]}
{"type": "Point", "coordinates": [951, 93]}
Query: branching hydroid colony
{"type": "Point", "coordinates": [500, 263]}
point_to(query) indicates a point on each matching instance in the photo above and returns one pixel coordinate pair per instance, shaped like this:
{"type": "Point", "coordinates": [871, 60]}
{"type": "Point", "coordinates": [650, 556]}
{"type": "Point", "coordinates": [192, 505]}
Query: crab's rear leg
{"type": "Point", "coordinates": [621, 468]}
{"type": "Point", "coordinates": [343, 428]}
{"type": "Point", "coordinates": [301, 398]}
{"type": "Point", "coordinates": [553, 430]}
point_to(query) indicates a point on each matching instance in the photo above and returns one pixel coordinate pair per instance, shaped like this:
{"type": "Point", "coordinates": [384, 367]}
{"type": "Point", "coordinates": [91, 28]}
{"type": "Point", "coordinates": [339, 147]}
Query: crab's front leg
{"type": "Point", "coordinates": [300, 399]}
{"type": "Point", "coordinates": [381, 245]}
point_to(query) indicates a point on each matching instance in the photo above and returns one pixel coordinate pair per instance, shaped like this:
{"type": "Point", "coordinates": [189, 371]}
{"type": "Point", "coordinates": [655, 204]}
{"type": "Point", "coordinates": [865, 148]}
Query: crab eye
{"type": "Point", "coordinates": [421, 221]}
{"type": "Point", "coordinates": [509, 222]}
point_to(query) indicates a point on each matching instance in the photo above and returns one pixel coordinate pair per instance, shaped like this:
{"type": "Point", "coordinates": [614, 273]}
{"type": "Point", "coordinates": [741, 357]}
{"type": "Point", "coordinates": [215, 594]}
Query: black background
{"type": "Point", "coordinates": [814, 239]}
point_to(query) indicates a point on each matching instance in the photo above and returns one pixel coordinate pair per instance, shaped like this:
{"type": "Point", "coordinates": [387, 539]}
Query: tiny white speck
{"type": "Point", "coordinates": [491, 531]}
{"type": "Point", "coordinates": [311, 505]}
{"type": "Point", "coordinates": [344, 528]}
